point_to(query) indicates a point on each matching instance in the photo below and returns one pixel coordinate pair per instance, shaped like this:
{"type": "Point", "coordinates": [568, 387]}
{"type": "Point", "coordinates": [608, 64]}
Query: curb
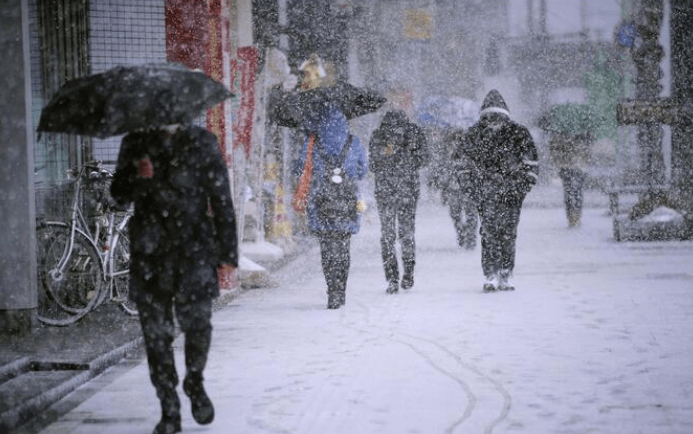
{"type": "Point", "coordinates": [21, 416]}
{"type": "Point", "coordinates": [28, 409]}
{"type": "Point", "coordinates": [14, 368]}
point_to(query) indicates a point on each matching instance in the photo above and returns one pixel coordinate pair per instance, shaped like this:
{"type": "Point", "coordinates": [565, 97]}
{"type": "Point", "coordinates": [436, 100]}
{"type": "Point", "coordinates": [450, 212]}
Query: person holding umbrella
{"type": "Point", "coordinates": [334, 154]}
{"type": "Point", "coordinates": [320, 108]}
{"type": "Point", "coordinates": [570, 139]}
{"type": "Point", "coordinates": [397, 151]}
{"type": "Point", "coordinates": [504, 153]}
{"type": "Point", "coordinates": [183, 230]}
{"type": "Point", "coordinates": [330, 133]}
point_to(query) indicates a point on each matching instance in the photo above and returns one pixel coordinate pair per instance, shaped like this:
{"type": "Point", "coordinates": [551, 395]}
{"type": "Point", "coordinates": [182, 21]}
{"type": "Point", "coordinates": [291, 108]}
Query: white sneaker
{"type": "Point", "coordinates": [504, 283]}
{"type": "Point", "coordinates": [491, 284]}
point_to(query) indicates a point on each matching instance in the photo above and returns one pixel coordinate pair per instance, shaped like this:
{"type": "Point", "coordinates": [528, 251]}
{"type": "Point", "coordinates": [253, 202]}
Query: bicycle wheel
{"type": "Point", "coordinates": [48, 310]}
{"type": "Point", "coordinates": [120, 273]}
{"type": "Point", "coordinates": [66, 296]}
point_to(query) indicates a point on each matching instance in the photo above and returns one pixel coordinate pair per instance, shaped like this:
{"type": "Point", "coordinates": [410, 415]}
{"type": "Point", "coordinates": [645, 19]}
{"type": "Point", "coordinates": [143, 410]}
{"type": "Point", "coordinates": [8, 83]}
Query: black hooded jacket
{"type": "Point", "coordinates": [502, 150]}
{"type": "Point", "coordinates": [396, 153]}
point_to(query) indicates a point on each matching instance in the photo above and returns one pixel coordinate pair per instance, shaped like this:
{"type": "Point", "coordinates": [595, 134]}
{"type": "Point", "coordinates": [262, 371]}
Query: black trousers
{"type": "Point", "coordinates": [463, 212]}
{"type": "Point", "coordinates": [157, 320]}
{"type": "Point", "coordinates": [336, 260]}
{"type": "Point", "coordinates": [500, 218]}
{"type": "Point", "coordinates": [397, 220]}
{"type": "Point", "coordinates": [573, 181]}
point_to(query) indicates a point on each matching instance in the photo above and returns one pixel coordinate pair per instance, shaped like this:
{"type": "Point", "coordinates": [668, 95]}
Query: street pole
{"type": "Point", "coordinates": [647, 58]}
{"type": "Point", "coordinates": [682, 92]}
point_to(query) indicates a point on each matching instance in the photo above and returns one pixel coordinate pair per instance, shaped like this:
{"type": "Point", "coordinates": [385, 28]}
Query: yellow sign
{"type": "Point", "coordinates": [417, 24]}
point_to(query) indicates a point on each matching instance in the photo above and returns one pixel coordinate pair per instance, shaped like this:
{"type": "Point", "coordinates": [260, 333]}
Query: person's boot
{"type": "Point", "coordinates": [574, 220]}
{"type": "Point", "coordinates": [392, 276]}
{"type": "Point", "coordinates": [202, 408]}
{"type": "Point", "coordinates": [504, 281]}
{"type": "Point", "coordinates": [170, 414]}
{"type": "Point", "coordinates": [461, 240]}
{"type": "Point", "coordinates": [491, 283]}
{"type": "Point", "coordinates": [334, 301]}
{"type": "Point", "coordinates": [470, 241]}
{"type": "Point", "coordinates": [167, 425]}
{"type": "Point", "coordinates": [392, 287]}
{"type": "Point", "coordinates": [408, 277]}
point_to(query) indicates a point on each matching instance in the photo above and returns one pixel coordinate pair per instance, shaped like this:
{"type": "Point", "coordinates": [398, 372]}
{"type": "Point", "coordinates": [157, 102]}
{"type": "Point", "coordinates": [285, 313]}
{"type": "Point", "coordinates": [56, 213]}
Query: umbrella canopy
{"type": "Point", "coordinates": [129, 98]}
{"type": "Point", "coordinates": [570, 118]}
{"type": "Point", "coordinates": [291, 109]}
{"type": "Point", "coordinates": [447, 111]}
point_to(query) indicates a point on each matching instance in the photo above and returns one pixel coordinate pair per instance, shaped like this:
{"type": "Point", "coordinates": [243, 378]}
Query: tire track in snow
{"type": "Point", "coordinates": [496, 385]}
{"type": "Point", "coordinates": [450, 365]}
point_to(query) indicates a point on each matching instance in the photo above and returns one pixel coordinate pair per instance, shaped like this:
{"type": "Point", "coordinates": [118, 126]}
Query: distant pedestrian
{"type": "Point", "coordinates": [570, 154]}
{"type": "Point", "coordinates": [397, 152]}
{"type": "Point", "coordinates": [458, 180]}
{"type": "Point", "coordinates": [333, 147]}
{"type": "Point", "coordinates": [506, 157]}
{"type": "Point", "coordinates": [183, 229]}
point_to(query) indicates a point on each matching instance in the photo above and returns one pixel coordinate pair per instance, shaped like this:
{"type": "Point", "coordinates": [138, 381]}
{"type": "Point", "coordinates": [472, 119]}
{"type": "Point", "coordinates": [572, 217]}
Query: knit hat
{"type": "Point", "coordinates": [494, 103]}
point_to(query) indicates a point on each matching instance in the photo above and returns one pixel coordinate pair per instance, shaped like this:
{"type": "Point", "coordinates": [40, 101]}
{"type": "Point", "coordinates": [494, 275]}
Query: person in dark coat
{"type": "Point", "coordinates": [457, 180]}
{"type": "Point", "coordinates": [506, 157]}
{"type": "Point", "coordinates": [570, 153]}
{"type": "Point", "coordinates": [182, 231]}
{"type": "Point", "coordinates": [331, 131]}
{"type": "Point", "coordinates": [397, 152]}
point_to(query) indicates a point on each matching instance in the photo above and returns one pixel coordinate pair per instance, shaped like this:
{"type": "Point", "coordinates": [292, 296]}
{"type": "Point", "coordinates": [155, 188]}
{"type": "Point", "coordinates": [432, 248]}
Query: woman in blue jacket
{"type": "Point", "coordinates": [331, 132]}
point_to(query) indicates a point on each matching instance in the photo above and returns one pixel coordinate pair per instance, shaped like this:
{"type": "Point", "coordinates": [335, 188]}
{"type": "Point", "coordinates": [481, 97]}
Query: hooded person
{"type": "Point", "coordinates": [506, 158]}
{"type": "Point", "coordinates": [397, 151]}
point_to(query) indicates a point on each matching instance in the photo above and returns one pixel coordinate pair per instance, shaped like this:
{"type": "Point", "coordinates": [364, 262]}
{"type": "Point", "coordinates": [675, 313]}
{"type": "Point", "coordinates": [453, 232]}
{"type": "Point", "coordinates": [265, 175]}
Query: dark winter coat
{"type": "Point", "coordinates": [569, 151]}
{"type": "Point", "coordinates": [184, 224]}
{"type": "Point", "coordinates": [504, 153]}
{"type": "Point", "coordinates": [332, 132]}
{"type": "Point", "coordinates": [457, 178]}
{"type": "Point", "coordinates": [397, 152]}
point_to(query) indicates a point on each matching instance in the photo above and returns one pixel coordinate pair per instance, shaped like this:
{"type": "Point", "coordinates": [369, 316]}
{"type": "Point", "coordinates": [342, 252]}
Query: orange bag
{"type": "Point", "coordinates": [300, 197]}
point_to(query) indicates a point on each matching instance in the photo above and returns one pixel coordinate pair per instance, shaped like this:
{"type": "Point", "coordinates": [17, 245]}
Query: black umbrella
{"type": "Point", "coordinates": [129, 98]}
{"type": "Point", "coordinates": [290, 109]}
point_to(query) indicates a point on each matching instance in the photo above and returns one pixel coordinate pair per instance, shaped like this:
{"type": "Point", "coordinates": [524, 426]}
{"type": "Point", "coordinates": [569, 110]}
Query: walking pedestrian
{"type": "Point", "coordinates": [458, 182]}
{"type": "Point", "coordinates": [397, 152]}
{"type": "Point", "coordinates": [182, 231]}
{"type": "Point", "coordinates": [570, 154]}
{"type": "Point", "coordinates": [333, 148]}
{"type": "Point", "coordinates": [506, 157]}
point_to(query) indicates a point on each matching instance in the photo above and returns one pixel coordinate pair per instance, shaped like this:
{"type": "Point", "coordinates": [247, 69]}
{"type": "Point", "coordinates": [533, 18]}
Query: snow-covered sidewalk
{"type": "Point", "coordinates": [598, 337]}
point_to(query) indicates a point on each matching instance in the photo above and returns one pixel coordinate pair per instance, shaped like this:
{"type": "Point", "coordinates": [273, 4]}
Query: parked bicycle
{"type": "Point", "coordinates": [85, 260]}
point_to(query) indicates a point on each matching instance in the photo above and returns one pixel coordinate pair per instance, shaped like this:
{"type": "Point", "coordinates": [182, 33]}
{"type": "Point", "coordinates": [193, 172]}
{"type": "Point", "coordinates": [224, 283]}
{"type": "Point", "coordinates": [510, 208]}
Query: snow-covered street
{"type": "Point", "coordinates": [597, 338]}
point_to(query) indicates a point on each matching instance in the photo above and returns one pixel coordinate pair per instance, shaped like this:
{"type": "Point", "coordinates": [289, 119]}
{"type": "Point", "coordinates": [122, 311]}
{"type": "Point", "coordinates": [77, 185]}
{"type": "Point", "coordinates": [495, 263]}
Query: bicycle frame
{"type": "Point", "coordinates": [77, 223]}
{"type": "Point", "coordinates": [106, 251]}
{"type": "Point", "coordinates": [88, 247]}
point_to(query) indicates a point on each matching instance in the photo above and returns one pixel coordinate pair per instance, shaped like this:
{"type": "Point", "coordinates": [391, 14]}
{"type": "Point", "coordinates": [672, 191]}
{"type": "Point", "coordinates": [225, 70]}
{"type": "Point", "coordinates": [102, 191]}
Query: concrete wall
{"type": "Point", "coordinates": [18, 299]}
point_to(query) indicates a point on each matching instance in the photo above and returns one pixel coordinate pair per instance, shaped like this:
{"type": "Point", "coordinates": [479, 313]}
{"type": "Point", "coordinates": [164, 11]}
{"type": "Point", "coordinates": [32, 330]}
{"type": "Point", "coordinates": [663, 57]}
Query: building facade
{"type": "Point", "coordinates": [48, 42]}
